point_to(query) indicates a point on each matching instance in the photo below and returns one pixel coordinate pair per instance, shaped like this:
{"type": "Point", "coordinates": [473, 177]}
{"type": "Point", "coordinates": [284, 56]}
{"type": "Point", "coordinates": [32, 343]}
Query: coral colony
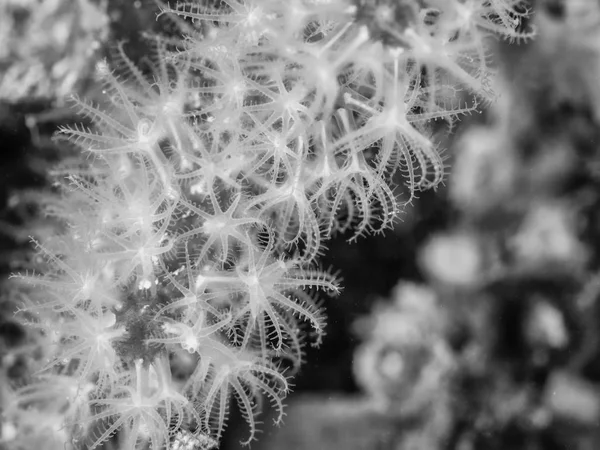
{"type": "Point", "coordinates": [186, 272]}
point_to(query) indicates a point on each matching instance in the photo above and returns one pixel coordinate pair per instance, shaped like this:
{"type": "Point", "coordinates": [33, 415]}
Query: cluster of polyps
{"type": "Point", "coordinates": [212, 184]}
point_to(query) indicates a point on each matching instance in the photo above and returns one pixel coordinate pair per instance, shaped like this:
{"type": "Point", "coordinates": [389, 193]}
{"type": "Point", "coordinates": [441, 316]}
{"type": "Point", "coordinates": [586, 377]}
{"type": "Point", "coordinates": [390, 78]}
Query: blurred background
{"type": "Point", "coordinates": [473, 325]}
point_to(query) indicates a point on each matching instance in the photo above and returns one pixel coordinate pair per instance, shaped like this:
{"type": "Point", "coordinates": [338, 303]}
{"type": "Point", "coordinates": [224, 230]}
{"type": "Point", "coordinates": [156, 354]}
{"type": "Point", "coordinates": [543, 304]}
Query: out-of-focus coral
{"type": "Point", "coordinates": [514, 268]}
{"type": "Point", "coordinates": [547, 234]}
{"type": "Point", "coordinates": [406, 366]}
{"type": "Point", "coordinates": [404, 360]}
{"type": "Point", "coordinates": [48, 46]}
{"type": "Point", "coordinates": [454, 259]}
